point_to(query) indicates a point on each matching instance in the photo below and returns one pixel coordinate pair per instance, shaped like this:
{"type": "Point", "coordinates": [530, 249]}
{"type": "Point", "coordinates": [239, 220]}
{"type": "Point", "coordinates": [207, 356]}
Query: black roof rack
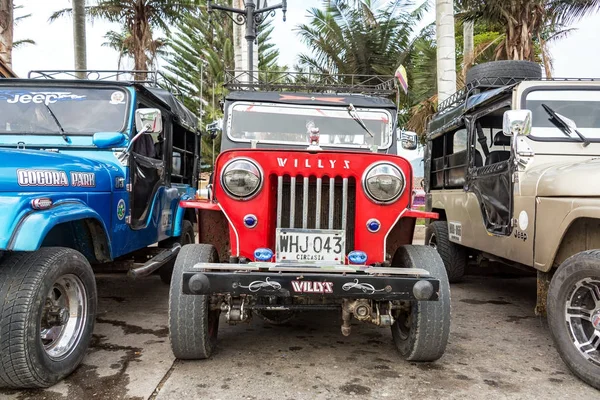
{"type": "Point", "coordinates": [495, 82]}
{"type": "Point", "coordinates": [144, 77]}
{"type": "Point", "coordinates": [307, 82]}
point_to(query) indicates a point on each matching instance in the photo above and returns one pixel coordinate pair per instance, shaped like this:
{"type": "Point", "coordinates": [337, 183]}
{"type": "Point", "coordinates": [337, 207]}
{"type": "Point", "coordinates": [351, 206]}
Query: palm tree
{"type": "Point", "coordinates": [527, 22]}
{"type": "Point", "coordinates": [359, 37]}
{"type": "Point", "coordinates": [122, 43]}
{"type": "Point", "coordinates": [139, 17]}
{"type": "Point", "coordinates": [79, 34]}
{"type": "Point", "coordinates": [21, 42]}
{"type": "Point", "coordinates": [6, 29]}
{"type": "Point", "coordinates": [446, 49]}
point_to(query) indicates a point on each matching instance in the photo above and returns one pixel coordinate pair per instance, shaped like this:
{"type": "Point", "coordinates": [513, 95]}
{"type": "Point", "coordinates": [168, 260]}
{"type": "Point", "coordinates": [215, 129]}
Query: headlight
{"type": "Point", "coordinates": [241, 178]}
{"type": "Point", "coordinates": [384, 183]}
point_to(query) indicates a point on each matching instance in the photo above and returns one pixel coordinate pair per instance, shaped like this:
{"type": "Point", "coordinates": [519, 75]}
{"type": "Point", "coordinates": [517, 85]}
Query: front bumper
{"type": "Point", "coordinates": [269, 279]}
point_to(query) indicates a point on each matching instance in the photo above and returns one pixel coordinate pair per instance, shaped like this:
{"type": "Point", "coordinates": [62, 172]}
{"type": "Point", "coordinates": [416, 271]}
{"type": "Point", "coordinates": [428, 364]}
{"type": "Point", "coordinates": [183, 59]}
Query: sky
{"type": "Point", "coordinates": [575, 56]}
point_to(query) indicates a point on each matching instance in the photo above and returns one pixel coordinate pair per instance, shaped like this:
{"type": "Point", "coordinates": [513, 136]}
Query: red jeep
{"type": "Point", "coordinates": [309, 209]}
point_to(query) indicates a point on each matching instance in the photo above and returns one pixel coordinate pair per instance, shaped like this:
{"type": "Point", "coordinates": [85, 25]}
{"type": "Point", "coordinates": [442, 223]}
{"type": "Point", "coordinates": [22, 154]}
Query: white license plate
{"type": "Point", "coordinates": [310, 246]}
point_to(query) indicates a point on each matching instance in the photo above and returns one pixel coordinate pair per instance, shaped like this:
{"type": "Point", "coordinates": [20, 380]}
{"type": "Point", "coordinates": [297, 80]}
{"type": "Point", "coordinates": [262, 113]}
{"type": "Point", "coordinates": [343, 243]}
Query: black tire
{"type": "Point", "coordinates": [584, 265]}
{"type": "Point", "coordinates": [187, 237]}
{"type": "Point", "coordinates": [422, 333]}
{"type": "Point", "coordinates": [26, 282]}
{"type": "Point", "coordinates": [487, 74]}
{"type": "Point", "coordinates": [193, 325]}
{"type": "Point", "coordinates": [453, 255]}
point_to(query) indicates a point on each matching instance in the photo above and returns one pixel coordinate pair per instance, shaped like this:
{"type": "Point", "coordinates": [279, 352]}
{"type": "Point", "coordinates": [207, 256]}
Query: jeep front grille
{"type": "Point", "coordinates": [317, 203]}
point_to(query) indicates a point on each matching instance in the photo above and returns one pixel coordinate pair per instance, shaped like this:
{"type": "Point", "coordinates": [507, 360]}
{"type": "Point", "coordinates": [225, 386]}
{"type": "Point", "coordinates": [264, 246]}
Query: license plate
{"type": "Point", "coordinates": [310, 246]}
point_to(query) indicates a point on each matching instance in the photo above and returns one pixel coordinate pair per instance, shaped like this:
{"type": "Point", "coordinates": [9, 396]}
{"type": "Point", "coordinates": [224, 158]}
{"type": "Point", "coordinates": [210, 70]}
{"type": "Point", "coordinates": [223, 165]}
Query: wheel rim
{"type": "Point", "coordinates": [63, 317]}
{"type": "Point", "coordinates": [187, 238]}
{"type": "Point", "coordinates": [404, 321]}
{"type": "Point", "coordinates": [432, 241]}
{"type": "Point", "coordinates": [582, 316]}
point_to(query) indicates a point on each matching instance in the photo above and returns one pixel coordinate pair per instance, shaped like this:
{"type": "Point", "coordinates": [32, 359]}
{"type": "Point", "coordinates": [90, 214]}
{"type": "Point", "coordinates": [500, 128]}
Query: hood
{"type": "Point", "coordinates": [573, 179]}
{"type": "Point", "coordinates": [38, 170]}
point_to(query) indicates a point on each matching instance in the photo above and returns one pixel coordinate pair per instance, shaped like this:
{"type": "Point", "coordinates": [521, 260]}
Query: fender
{"type": "Point", "coordinates": [35, 225]}
{"type": "Point", "coordinates": [179, 214]}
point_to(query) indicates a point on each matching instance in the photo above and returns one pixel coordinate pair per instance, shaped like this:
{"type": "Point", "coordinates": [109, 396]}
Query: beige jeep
{"type": "Point", "coordinates": [512, 165]}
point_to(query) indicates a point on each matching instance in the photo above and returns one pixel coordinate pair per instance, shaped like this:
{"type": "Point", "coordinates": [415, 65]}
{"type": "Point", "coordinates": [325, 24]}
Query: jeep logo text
{"type": "Point", "coordinates": [306, 163]}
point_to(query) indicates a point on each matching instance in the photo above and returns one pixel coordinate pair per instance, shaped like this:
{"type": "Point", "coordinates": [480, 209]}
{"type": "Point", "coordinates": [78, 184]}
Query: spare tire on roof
{"type": "Point", "coordinates": [497, 73]}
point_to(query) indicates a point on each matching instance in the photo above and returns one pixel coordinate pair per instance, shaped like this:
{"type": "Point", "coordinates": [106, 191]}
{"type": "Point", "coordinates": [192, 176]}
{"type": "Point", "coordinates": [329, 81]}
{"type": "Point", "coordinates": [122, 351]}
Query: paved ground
{"type": "Point", "coordinates": [498, 350]}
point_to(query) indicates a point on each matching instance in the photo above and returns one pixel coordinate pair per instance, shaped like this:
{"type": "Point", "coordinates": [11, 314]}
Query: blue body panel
{"type": "Point", "coordinates": [83, 182]}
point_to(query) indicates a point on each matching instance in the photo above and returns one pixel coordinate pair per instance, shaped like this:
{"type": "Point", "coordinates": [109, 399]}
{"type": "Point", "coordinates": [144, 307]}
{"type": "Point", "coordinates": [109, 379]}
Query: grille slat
{"type": "Point", "coordinates": [318, 205]}
{"type": "Point", "coordinates": [292, 200]}
{"type": "Point", "coordinates": [331, 200]}
{"type": "Point", "coordinates": [334, 201]}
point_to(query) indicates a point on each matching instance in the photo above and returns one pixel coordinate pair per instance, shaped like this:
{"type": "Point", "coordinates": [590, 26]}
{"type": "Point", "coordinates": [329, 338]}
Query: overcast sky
{"type": "Point", "coordinates": [575, 56]}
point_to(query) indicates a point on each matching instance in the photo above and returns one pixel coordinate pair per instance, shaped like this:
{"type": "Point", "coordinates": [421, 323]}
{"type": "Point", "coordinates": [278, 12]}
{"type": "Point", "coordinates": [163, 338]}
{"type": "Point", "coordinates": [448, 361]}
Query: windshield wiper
{"type": "Point", "coordinates": [62, 131]}
{"type": "Point", "coordinates": [354, 114]}
{"type": "Point", "coordinates": [565, 124]}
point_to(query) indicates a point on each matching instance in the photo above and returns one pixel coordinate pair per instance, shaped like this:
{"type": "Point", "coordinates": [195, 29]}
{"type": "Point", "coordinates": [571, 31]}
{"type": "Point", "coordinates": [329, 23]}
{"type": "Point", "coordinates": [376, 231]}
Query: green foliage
{"type": "Point", "coordinates": [202, 44]}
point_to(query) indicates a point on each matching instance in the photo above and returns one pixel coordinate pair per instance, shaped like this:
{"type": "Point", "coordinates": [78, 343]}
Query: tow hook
{"type": "Point", "coordinates": [366, 311]}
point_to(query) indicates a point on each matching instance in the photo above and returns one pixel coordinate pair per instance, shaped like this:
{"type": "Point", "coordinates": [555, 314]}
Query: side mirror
{"type": "Point", "coordinates": [517, 122]}
{"type": "Point", "coordinates": [104, 140]}
{"type": "Point", "coordinates": [214, 128]}
{"type": "Point", "coordinates": [409, 140]}
{"type": "Point", "coordinates": [148, 120]}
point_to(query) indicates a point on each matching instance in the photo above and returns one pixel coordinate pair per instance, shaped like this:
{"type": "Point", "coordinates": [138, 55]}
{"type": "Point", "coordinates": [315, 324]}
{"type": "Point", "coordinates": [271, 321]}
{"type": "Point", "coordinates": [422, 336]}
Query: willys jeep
{"type": "Point", "coordinates": [309, 209]}
{"type": "Point", "coordinates": [91, 172]}
{"type": "Point", "coordinates": [512, 169]}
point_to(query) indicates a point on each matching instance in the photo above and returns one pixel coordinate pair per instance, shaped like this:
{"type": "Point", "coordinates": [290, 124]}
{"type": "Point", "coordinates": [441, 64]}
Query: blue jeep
{"type": "Point", "coordinates": [91, 172]}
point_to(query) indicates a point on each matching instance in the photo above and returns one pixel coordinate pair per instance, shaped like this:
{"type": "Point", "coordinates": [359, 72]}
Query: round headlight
{"type": "Point", "coordinates": [241, 178]}
{"type": "Point", "coordinates": [384, 183]}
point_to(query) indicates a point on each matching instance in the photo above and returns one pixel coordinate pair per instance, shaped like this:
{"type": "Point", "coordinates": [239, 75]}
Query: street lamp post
{"type": "Point", "coordinates": [251, 15]}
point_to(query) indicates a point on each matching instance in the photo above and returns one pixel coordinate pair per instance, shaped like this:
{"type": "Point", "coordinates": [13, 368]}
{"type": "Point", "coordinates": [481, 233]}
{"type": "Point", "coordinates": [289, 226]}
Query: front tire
{"type": "Point", "coordinates": [187, 237]}
{"type": "Point", "coordinates": [453, 255]}
{"type": "Point", "coordinates": [421, 332]}
{"type": "Point", "coordinates": [47, 313]}
{"type": "Point", "coordinates": [574, 314]}
{"type": "Point", "coordinates": [193, 324]}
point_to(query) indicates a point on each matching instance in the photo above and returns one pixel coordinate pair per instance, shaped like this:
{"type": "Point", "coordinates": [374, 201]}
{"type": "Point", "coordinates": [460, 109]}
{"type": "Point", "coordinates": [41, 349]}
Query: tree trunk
{"type": "Point", "coordinates": [468, 46]}
{"type": "Point", "coordinates": [6, 31]}
{"type": "Point", "coordinates": [446, 49]}
{"type": "Point", "coordinates": [79, 36]}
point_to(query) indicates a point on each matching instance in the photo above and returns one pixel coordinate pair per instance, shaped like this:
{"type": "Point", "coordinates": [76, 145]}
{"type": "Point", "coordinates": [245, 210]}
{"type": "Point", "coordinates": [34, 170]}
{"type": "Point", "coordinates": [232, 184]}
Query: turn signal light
{"type": "Point", "coordinates": [357, 257]}
{"type": "Point", "coordinates": [41, 204]}
{"type": "Point", "coordinates": [263, 254]}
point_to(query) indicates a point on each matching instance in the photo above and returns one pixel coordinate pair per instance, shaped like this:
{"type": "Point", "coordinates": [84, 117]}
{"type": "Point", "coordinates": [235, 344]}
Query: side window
{"type": "Point", "coordinates": [184, 155]}
{"type": "Point", "coordinates": [496, 147]}
{"type": "Point", "coordinates": [449, 160]}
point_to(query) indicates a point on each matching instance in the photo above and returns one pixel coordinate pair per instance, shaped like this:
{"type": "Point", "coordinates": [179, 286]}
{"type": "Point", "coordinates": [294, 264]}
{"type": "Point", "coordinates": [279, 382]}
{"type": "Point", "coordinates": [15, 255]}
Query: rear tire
{"type": "Point", "coordinates": [187, 237]}
{"type": "Point", "coordinates": [421, 334]}
{"type": "Point", "coordinates": [575, 288]}
{"type": "Point", "coordinates": [47, 314]}
{"type": "Point", "coordinates": [487, 74]}
{"type": "Point", "coordinates": [193, 325]}
{"type": "Point", "coordinates": [453, 255]}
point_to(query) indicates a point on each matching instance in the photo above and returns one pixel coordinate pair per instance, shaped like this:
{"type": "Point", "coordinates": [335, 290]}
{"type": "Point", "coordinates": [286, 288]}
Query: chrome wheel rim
{"type": "Point", "coordinates": [582, 316]}
{"type": "Point", "coordinates": [63, 317]}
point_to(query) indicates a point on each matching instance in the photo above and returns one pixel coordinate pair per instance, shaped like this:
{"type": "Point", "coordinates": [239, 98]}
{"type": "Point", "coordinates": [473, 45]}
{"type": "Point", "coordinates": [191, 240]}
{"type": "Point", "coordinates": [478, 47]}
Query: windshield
{"type": "Point", "coordinates": [279, 123]}
{"type": "Point", "coordinates": [581, 106]}
{"type": "Point", "coordinates": [77, 110]}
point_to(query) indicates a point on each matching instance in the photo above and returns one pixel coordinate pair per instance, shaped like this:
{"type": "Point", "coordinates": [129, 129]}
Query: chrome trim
{"type": "Point", "coordinates": [260, 177]}
{"type": "Point", "coordinates": [318, 205]}
{"type": "Point", "coordinates": [305, 203]}
{"type": "Point", "coordinates": [292, 200]}
{"type": "Point", "coordinates": [344, 202]}
{"type": "Point", "coordinates": [279, 199]}
{"type": "Point", "coordinates": [388, 232]}
{"type": "Point", "coordinates": [331, 200]}
{"type": "Point", "coordinates": [364, 181]}
{"type": "Point", "coordinates": [237, 237]}
{"type": "Point", "coordinates": [390, 131]}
